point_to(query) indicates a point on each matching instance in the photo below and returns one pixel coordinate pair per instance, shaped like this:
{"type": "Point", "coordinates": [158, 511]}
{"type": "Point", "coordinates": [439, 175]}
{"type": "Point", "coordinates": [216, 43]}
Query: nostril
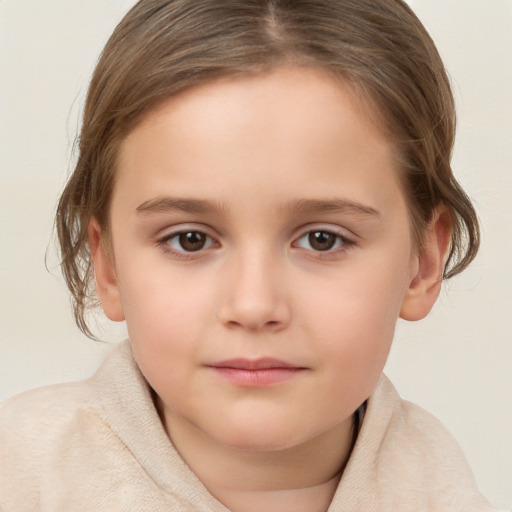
{"type": "Point", "coordinates": [254, 308]}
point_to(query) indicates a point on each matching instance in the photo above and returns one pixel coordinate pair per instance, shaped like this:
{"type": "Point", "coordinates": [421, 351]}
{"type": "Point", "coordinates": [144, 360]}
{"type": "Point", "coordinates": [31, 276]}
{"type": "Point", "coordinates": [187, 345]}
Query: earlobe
{"type": "Point", "coordinates": [104, 273]}
{"type": "Point", "coordinates": [425, 283]}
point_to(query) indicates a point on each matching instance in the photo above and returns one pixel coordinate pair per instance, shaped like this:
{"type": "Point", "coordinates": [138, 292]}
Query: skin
{"type": "Point", "coordinates": [257, 164]}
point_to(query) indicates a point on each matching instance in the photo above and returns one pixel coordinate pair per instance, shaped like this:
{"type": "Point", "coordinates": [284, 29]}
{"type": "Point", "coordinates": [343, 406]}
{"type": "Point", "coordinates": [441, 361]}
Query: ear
{"type": "Point", "coordinates": [104, 273]}
{"type": "Point", "coordinates": [426, 280]}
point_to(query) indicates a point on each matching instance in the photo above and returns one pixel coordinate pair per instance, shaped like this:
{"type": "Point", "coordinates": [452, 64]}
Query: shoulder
{"type": "Point", "coordinates": [31, 425]}
{"type": "Point", "coordinates": [36, 416]}
{"type": "Point", "coordinates": [41, 411]}
{"type": "Point", "coordinates": [32, 420]}
{"type": "Point", "coordinates": [93, 445]}
{"type": "Point", "coordinates": [41, 428]}
{"type": "Point", "coordinates": [419, 452]}
{"type": "Point", "coordinates": [410, 425]}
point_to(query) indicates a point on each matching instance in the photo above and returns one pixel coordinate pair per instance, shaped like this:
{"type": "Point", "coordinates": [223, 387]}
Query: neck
{"type": "Point", "coordinates": [308, 499]}
{"type": "Point", "coordinates": [301, 478]}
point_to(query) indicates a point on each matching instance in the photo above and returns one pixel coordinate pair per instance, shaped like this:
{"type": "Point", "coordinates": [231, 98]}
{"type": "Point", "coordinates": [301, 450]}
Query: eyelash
{"type": "Point", "coordinates": [341, 244]}
{"type": "Point", "coordinates": [184, 254]}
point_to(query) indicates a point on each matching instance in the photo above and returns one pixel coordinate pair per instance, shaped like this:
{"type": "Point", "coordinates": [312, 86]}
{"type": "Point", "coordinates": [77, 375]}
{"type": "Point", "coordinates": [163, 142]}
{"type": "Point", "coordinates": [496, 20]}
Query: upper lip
{"type": "Point", "coordinates": [263, 363]}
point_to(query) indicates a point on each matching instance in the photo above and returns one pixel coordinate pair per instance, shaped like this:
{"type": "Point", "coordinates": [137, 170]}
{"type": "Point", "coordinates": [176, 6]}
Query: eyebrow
{"type": "Point", "coordinates": [170, 204]}
{"type": "Point", "coordinates": [300, 207]}
{"type": "Point", "coordinates": [334, 205]}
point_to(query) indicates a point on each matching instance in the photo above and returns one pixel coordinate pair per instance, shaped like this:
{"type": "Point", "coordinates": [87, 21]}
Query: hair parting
{"type": "Point", "coordinates": [161, 47]}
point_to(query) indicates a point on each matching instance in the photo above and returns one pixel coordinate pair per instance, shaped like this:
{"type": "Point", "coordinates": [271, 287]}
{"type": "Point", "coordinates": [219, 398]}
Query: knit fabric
{"type": "Point", "coordinates": [99, 446]}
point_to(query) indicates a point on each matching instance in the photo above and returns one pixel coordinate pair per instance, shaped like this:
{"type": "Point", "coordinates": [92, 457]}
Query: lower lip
{"type": "Point", "coordinates": [257, 378]}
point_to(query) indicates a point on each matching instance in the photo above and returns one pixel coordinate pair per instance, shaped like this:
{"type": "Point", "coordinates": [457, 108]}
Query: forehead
{"type": "Point", "coordinates": [293, 131]}
{"type": "Point", "coordinates": [300, 92]}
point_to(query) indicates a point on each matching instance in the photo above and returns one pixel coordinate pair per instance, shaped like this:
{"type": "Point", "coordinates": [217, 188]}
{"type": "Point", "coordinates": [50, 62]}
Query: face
{"type": "Point", "coordinates": [261, 257]}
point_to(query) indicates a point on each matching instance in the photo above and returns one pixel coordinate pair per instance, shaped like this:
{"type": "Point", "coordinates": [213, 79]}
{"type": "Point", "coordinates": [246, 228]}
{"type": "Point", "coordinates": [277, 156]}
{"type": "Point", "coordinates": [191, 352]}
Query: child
{"type": "Point", "coordinates": [263, 188]}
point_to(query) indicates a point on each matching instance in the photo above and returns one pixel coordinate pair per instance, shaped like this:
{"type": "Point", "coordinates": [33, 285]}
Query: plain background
{"type": "Point", "coordinates": [456, 363]}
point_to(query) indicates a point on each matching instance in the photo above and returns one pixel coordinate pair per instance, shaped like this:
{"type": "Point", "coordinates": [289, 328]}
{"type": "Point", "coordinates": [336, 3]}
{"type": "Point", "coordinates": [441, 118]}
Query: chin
{"type": "Point", "coordinates": [259, 438]}
{"type": "Point", "coordinates": [269, 444]}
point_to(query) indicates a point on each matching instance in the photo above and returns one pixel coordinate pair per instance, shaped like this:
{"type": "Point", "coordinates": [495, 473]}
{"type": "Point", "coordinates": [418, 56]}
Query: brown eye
{"type": "Point", "coordinates": [192, 241]}
{"type": "Point", "coordinates": [187, 241]}
{"type": "Point", "coordinates": [322, 240]}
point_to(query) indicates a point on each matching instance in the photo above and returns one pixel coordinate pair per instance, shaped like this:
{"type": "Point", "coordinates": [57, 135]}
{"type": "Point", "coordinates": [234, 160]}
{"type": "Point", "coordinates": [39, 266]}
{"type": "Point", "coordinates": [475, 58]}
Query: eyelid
{"type": "Point", "coordinates": [348, 240]}
{"type": "Point", "coordinates": [344, 233]}
{"type": "Point", "coordinates": [169, 233]}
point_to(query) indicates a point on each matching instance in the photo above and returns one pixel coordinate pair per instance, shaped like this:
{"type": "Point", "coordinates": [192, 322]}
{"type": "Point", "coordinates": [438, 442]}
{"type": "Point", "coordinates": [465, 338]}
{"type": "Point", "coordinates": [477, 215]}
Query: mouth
{"type": "Point", "coordinates": [256, 372]}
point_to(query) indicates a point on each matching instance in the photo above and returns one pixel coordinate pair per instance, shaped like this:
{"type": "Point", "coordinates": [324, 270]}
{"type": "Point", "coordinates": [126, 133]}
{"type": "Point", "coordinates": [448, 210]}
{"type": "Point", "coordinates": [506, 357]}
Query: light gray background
{"type": "Point", "coordinates": [456, 363]}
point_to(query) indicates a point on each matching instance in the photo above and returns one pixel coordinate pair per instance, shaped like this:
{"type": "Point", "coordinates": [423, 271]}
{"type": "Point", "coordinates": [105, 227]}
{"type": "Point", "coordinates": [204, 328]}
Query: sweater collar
{"type": "Point", "coordinates": [124, 400]}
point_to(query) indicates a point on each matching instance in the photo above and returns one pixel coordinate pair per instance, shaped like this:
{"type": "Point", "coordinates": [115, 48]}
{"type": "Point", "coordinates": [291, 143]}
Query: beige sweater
{"type": "Point", "coordinates": [99, 446]}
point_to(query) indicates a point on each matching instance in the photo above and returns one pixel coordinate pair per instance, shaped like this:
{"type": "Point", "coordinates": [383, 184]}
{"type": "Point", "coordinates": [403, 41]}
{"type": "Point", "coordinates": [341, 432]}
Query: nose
{"type": "Point", "coordinates": [254, 294]}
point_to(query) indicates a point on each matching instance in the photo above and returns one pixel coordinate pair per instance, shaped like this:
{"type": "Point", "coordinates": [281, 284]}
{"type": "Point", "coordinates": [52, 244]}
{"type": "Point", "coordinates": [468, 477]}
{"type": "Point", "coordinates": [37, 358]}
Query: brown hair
{"type": "Point", "coordinates": [161, 47]}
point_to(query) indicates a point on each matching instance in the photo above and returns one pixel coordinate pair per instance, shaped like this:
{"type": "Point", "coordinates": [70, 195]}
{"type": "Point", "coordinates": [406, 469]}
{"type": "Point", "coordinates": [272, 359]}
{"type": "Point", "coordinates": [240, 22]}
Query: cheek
{"type": "Point", "coordinates": [166, 319]}
{"type": "Point", "coordinates": [354, 321]}
{"type": "Point", "coordinates": [161, 301]}
{"type": "Point", "coordinates": [356, 333]}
